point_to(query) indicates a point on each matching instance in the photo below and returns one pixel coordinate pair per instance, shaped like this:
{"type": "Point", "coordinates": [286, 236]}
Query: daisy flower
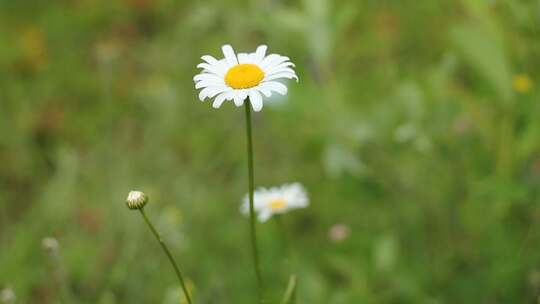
{"type": "Point", "coordinates": [243, 75]}
{"type": "Point", "coordinates": [276, 200]}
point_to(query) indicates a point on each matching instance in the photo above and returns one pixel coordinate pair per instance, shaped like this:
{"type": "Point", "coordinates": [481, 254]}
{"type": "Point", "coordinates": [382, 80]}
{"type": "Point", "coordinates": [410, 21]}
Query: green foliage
{"type": "Point", "coordinates": [409, 126]}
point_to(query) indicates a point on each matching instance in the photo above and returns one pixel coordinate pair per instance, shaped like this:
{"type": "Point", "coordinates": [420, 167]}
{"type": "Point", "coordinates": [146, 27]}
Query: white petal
{"type": "Point", "coordinates": [209, 59]}
{"type": "Point", "coordinates": [265, 91]}
{"type": "Point", "coordinates": [204, 65]}
{"type": "Point", "coordinates": [211, 92]}
{"type": "Point", "coordinates": [274, 86]}
{"type": "Point", "coordinates": [245, 93]}
{"type": "Point", "coordinates": [244, 209]}
{"type": "Point", "coordinates": [223, 67]}
{"type": "Point", "coordinates": [275, 67]}
{"type": "Point", "coordinates": [268, 60]}
{"type": "Point", "coordinates": [220, 99]}
{"type": "Point", "coordinates": [280, 70]}
{"type": "Point", "coordinates": [244, 58]}
{"type": "Point", "coordinates": [212, 68]}
{"type": "Point", "coordinates": [259, 53]}
{"type": "Point", "coordinates": [207, 83]}
{"type": "Point", "coordinates": [229, 55]}
{"type": "Point", "coordinates": [206, 76]}
{"type": "Point", "coordinates": [239, 97]}
{"type": "Point", "coordinates": [252, 57]}
{"type": "Point", "coordinates": [281, 75]}
{"type": "Point", "coordinates": [273, 59]}
{"type": "Point", "coordinates": [256, 100]}
{"type": "Point", "coordinates": [264, 215]}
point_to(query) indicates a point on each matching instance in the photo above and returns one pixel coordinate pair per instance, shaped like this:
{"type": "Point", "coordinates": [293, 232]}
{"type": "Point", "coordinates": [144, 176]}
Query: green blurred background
{"type": "Point", "coordinates": [414, 128]}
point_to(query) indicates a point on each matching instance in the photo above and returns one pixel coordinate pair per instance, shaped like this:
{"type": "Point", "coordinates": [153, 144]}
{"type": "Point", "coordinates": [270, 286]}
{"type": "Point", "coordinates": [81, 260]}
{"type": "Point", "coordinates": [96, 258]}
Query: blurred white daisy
{"type": "Point", "coordinates": [7, 296]}
{"type": "Point", "coordinates": [243, 75]}
{"type": "Point", "coordinates": [276, 200]}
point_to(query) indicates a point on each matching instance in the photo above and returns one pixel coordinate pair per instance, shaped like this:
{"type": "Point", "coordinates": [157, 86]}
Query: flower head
{"type": "Point", "coordinates": [243, 75]}
{"type": "Point", "coordinates": [136, 200]}
{"type": "Point", "coordinates": [7, 296]}
{"type": "Point", "coordinates": [339, 232]}
{"type": "Point", "coordinates": [276, 200]}
{"type": "Point", "coordinates": [50, 244]}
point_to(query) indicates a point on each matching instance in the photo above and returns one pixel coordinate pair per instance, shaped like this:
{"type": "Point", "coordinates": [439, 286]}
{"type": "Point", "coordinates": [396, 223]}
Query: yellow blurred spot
{"type": "Point", "coordinates": [277, 204]}
{"type": "Point", "coordinates": [190, 287]}
{"type": "Point", "coordinates": [33, 46]}
{"type": "Point", "coordinates": [522, 83]}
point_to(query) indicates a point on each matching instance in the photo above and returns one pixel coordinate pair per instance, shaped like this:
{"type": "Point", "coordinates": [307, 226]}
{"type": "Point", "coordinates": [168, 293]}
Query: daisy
{"type": "Point", "coordinates": [277, 200]}
{"type": "Point", "coordinates": [243, 75]}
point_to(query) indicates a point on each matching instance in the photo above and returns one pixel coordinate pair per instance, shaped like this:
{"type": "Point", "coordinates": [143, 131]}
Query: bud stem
{"type": "Point", "coordinates": [169, 255]}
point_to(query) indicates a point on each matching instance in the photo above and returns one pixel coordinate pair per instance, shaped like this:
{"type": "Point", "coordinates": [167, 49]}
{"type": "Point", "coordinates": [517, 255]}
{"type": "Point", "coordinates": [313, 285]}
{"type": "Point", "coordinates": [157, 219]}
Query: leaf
{"type": "Point", "coordinates": [290, 294]}
{"type": "Point", "coordinates": [482, 50]}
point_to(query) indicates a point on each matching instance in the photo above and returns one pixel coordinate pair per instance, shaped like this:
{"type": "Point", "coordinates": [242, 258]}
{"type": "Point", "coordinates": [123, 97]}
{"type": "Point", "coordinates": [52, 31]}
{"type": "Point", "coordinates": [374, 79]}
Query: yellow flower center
{"type": "Point", "coordinates": [277, 204]}
{"type": "Point", "coordinates": [244, 76]}
{"type": "Point", "coordinates": [522, 83]}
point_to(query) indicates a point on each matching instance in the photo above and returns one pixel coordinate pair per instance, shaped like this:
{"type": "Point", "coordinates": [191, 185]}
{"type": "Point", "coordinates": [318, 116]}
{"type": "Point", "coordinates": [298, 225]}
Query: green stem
{"type": "Point", "coordinates": [290, 293]}
{"type": "Point", "coordinates": [169, 255]}
{"type": "Point", "coordinates": [65, 293]}
{"type": "Point", "coordinates": [253, 233]}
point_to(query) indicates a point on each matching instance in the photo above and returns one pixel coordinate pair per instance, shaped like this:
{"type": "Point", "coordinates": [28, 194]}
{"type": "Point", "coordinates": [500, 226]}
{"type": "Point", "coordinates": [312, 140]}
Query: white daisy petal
{"type": "Point", "coordinates": [273, 60]}
{"type": "Point", "coordinates": [244, 58]}
{"type": "Point", "coordinates": [273, 68]}
{"type": "Point", "coordinates": [228, 52]}
{"type": "Point", "coordinates": [252, 58]}
{"type": "Point", "coordinates": [244, 208]}
{"type": "Point", "coordinates": [239, 98]}
{"type": "Point", "coordinates": [207, 83]}
{"type": "Point", "coordinates": [259, 53]}
{"type": "Point", "coordinates": [274, 86]}
{"type": "Point", "coordinates": [210, 92]}
{"type": "Point", "coordinates": [281, 75]}
{"type": "Point", "coordinates": [256, 100]}
{"type": "Point", "coordinates": [266, 92]}
{"type": "Point", "coordinates": [268, 60]}
{"type": "Point", "coordinates": [280, 70]}
{"type": "Point", "coordinates": [264, 215]}
{"type": "Point", "coordinates": [209, 59]}
{"type": "Point", "coordinates": [215, 69]}
{"type": "Point", "coordinates": [204, 65]}
{"type": "Point", "coordinates": [207, 76]}
{"type": "Point", "coordinates": [221, 98]}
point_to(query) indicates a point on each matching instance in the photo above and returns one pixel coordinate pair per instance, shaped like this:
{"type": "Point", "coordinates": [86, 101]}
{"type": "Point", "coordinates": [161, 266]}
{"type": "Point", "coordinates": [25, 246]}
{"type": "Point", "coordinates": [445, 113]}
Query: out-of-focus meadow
{"type": "Point", "coordinates": [415, 129]}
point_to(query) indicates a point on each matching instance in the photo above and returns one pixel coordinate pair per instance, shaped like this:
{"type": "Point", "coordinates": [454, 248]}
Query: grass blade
{"type": "Point", "coordinates": [290, 294]}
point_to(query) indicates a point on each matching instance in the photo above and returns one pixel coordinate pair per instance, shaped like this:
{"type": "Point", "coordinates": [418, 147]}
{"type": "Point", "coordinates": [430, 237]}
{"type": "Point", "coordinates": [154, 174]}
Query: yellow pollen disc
{"type": "Point", "coordinates": [277, 204]}
{"type": "Point", "coordinates": [244, 76]}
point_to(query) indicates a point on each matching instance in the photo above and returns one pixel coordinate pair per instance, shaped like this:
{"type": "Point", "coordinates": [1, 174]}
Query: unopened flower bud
{"type": "Point", "coordinates": [7, 296]}
{"type": "Point", "coordinates": [50, 244]}
{"type": "Point", "coordinates": [339, 232]}
{"type": "Point", "coordinates": [136, 200]}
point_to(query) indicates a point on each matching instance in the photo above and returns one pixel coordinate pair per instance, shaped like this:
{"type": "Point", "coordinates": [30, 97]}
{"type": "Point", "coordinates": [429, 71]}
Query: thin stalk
{"type": "Point", "coordinates": [169, 255]}
{"type": "Point", "coordinates": [290, 293]}
{"type": "Point", "coordinates": [253, 232]}
{"type": "Point", "coordinates": [61, 276]}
